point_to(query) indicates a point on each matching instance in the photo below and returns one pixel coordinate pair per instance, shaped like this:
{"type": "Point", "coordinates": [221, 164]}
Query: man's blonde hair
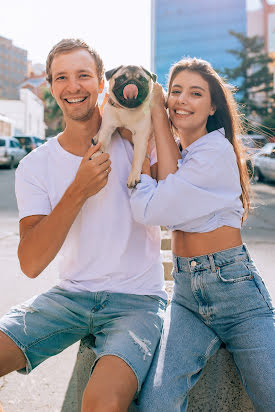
{"type": "Point", "coordinates": [68, 45]}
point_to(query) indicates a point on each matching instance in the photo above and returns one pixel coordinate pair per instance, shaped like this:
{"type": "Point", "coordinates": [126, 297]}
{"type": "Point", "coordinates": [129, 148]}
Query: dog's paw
{"type": "Point", "coordinates": [94, 140]}
{"type": "Point", "coordinates": [133, 179]}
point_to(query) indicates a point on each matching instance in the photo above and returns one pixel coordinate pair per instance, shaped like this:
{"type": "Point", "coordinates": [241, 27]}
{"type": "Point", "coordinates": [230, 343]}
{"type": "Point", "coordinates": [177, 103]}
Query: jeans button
{"type": "Point", "coordinates": [193, 263]}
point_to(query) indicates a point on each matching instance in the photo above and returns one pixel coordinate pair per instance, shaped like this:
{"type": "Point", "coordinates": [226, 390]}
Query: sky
{"type": "Point", "coordinates": [118, 29]}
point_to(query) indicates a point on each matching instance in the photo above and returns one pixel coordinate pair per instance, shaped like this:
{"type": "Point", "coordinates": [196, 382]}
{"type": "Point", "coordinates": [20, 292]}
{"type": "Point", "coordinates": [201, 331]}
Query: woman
{"type": "Point", "coordinates": [202, 196]}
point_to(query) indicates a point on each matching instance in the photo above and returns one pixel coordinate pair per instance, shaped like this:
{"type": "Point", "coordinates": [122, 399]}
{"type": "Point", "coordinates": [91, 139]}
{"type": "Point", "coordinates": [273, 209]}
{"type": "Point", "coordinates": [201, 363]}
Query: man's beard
{"type": "Point", "coordinates": [82, 117]}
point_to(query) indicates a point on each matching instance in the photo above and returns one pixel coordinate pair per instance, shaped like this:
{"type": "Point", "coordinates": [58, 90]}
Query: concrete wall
{"type": "Point", "coordinates": [218, 389]}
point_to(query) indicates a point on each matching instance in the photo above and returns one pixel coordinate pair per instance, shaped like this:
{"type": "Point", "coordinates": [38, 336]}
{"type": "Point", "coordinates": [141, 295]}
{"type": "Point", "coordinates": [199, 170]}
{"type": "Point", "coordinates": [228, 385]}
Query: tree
{"type": "Point", "coordinates": [53, 114]}
{"type": "Point", "coordinates": [253, 75]}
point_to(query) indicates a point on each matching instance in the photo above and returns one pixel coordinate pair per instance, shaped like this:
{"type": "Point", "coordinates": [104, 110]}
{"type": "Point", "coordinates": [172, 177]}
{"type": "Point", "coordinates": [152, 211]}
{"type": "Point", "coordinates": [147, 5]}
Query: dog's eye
{"type": "Point", "coordinates": [121, 79]}
{"type": "Point", "coordinates": [141, 78]}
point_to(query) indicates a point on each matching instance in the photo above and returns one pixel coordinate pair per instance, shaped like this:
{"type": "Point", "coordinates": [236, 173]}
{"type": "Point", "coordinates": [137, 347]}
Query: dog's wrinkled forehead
{"type": "Point", "coordinates": [130, 72]}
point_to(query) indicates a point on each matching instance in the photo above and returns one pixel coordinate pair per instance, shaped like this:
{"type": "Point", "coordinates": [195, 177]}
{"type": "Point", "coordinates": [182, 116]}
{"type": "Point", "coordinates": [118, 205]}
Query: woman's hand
{"type": "Point", "coordinates": [146, 167]}
{"type": "Point", "coordinates": [158, 97]}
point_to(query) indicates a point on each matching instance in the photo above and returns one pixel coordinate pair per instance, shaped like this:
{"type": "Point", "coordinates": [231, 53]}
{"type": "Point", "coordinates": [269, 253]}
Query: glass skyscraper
{"type": "Point", "coordinates": [195, 28]}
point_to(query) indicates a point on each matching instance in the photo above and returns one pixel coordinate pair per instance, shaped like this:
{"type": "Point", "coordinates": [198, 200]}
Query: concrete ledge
{"type": "Point", "coordinates": [218, 389]}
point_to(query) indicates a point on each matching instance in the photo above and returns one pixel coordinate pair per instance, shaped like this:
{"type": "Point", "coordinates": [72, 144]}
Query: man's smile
{"type": "Point", "coordinates": [76, 100]}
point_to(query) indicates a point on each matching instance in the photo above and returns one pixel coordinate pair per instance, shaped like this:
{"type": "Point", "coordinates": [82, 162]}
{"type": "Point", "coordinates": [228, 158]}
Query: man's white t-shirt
{"type": "Point", "coordinates": [105, 249]}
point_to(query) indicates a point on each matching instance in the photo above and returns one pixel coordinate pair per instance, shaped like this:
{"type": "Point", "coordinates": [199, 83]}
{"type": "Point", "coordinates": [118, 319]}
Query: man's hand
{"type": "Point", "coordinates": [41, 237]}
{"type": "Point", "coordinates": [125, 134]}
{"type": "Point", "coordinates": [93, 173]}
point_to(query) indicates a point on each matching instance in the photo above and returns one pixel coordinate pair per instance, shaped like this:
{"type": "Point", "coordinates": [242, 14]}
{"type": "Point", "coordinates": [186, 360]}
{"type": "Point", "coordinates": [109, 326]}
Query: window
{"type": "Point", "coordinates": [2, 142]}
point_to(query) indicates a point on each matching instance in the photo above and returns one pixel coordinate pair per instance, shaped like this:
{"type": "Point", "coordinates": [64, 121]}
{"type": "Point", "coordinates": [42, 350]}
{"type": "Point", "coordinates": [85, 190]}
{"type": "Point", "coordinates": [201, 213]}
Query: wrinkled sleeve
{"type": "Point", "coordinates": [199, 187]}
{"type": "Point", "coordinates": [32, 197]}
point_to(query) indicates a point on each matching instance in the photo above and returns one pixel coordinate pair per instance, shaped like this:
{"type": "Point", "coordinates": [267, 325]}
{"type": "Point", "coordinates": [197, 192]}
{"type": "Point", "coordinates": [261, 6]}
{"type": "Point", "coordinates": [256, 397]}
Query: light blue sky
{"type": "Point", "coordinates": [118, 29]}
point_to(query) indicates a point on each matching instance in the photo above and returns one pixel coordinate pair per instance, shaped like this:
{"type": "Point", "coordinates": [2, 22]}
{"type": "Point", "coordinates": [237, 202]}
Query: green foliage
{"type": "Point", "coordinates": [268, 123]}
{"type": "Point", "coordinates": [253, 75]}
{"type": "Point", "coordinates": [53, 114]}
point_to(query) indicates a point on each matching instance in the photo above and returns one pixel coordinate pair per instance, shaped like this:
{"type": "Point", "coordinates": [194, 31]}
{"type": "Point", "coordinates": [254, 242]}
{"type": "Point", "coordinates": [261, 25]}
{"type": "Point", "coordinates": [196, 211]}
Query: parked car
{"type": "Point", "coordinates": [253, 144]}
{"type": "Point", "coordinates": [264, 163]}
{"type": "Point", "coordinates": [29, 142]}
{"type": "Point", "coordinates": [11, 152]}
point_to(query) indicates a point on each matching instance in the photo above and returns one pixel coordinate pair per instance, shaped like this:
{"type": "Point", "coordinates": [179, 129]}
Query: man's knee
{"type": "Point", "coordinates": [11, 356]}
{"type": "Point", "coordinates": [96, 403]}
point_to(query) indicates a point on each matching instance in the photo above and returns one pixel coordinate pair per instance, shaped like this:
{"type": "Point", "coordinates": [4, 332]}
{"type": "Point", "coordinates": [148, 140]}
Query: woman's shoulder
{"type": "Point", "coordinates": [217, 140]}
{"type": "Point", "coordinates": [213, 149]}
{"type": "Point", "coordinates": [212, 144]}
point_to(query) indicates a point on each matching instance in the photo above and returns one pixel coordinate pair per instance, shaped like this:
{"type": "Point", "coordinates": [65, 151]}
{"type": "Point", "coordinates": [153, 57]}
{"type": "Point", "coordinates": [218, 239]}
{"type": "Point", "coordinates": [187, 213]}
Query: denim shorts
{"type": "Point", "coordinates": [125, 325]}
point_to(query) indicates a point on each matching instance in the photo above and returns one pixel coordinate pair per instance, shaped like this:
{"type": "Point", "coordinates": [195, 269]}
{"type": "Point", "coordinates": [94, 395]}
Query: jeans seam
{"type": "Point", "coordinates": [263, 296]}
{"type": "Point", "coordinates": [54, 333]}
{"type": "Point", "coordinates": [210, 346]}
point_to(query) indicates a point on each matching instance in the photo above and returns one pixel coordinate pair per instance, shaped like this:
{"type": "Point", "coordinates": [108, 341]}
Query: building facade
{"type": "Point", "coordinates": [27, 114]}
{"type": "Point", "coordinates": [13, 69]}
{"type": "Point", "coordinates": [197, 28]}
{"type": "Point", "coordinates": [261, 23]}
{"type": "Point", "coordinates": [6, 126]}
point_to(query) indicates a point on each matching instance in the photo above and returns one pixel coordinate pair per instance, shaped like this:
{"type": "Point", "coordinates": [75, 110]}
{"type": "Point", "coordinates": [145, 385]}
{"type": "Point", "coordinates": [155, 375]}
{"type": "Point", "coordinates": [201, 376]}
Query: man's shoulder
{"type": "Point", "coordinates": [40, 154]}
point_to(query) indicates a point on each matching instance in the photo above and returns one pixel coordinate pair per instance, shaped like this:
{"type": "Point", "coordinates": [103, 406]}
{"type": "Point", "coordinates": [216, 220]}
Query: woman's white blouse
{"type": "Point", "coordinates": [201, 196]}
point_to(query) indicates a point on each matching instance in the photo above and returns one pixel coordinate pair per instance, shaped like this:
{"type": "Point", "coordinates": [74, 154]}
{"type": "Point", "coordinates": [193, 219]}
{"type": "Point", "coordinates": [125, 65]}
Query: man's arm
{"type": "Point", "coordinates": [41, 237]}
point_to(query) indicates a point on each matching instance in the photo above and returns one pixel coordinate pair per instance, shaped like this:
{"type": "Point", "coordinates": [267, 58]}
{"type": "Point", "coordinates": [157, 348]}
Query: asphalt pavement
{"type": "Point", "coordinates": [45, 388]}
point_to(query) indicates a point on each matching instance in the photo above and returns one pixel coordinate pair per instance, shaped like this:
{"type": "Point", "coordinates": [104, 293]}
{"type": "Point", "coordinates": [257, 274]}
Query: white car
{"type": "Point", "coordinates": [11, 152]}
{"type": "Point", "coordinates": [264, 163]}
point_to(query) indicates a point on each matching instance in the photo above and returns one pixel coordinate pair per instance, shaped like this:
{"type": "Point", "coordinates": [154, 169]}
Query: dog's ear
{"type": "Point", "coordinates": [152, 75]}
{"type": "Point", "coordinates": [111, 72]}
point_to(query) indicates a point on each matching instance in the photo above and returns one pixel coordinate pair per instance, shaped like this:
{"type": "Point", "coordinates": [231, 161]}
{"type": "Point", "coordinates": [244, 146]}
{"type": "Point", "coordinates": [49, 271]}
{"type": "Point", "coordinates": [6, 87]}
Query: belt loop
{"type": "Point", "coordinates": [212, 263]}
{"type": "Point", "coordinates": [247, 251]}
{"type": "Point", "coordinates": [175, 263]}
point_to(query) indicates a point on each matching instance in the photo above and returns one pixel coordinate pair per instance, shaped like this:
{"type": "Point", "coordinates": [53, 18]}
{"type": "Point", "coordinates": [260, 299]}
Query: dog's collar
{"type": "Point", "coordinates": [112, 103]}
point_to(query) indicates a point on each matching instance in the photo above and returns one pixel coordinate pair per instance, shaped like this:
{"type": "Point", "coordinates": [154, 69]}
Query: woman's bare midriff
{"type": "Point", "coordinates": [187, 244]}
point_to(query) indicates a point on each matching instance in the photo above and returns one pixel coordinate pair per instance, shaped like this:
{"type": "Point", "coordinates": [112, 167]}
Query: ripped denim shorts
{"type": "Point", "coordinates": [125, 325]}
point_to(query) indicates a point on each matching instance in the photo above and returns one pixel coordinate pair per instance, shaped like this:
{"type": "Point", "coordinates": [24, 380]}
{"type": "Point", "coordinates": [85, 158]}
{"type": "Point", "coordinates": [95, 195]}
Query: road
{"type": "Point", "coordinates": [44, 389]}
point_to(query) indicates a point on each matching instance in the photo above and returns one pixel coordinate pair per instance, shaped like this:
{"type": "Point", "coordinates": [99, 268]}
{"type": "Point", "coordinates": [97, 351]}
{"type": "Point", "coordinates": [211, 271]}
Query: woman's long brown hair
{"type": "Point", "coordinates": [226, 115]}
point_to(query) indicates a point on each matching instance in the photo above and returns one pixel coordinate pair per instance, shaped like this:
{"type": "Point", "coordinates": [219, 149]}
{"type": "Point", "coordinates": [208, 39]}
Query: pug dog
{"type": "Point", "coordinates": [130, 94]}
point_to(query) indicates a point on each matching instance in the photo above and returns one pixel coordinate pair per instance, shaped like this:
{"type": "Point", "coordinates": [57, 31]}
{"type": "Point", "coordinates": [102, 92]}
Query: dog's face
{"type": "Point", "coordinates": [130, 86]}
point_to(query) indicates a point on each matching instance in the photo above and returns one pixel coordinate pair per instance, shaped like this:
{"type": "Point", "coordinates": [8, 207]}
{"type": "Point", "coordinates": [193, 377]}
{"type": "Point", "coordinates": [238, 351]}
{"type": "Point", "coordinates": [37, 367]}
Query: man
{"type": "Point", "coordinates": [111, 277]}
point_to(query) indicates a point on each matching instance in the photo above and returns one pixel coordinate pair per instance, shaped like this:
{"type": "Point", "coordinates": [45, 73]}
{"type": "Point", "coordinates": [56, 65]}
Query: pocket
{"type": "Point", "coordinates": [234, 272]}
{"type": "Point", "coordinates": [161, 301]}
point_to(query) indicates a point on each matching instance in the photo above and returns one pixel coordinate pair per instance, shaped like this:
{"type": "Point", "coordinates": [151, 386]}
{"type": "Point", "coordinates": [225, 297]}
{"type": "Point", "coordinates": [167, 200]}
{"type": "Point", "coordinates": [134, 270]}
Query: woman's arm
{"type": "Point", "coordinates": [205, 183]}
{"type": "Point", "coordinates": [167, 149]}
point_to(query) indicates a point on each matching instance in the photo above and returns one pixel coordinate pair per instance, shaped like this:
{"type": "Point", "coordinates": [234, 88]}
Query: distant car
{"type": "Point", "coordinates": [253, 144]}
{"type": "Point", "coordinates": [11, 152]}
{"type": "Point", "coordinates": [29, 142]}
{"type": "Point", "coordinates": [264, 163]}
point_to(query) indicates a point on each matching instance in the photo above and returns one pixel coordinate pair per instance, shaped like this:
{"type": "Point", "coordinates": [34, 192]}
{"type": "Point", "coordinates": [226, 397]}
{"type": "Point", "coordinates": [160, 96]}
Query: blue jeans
{"type": "Point", "coordinates": [217, 298]}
